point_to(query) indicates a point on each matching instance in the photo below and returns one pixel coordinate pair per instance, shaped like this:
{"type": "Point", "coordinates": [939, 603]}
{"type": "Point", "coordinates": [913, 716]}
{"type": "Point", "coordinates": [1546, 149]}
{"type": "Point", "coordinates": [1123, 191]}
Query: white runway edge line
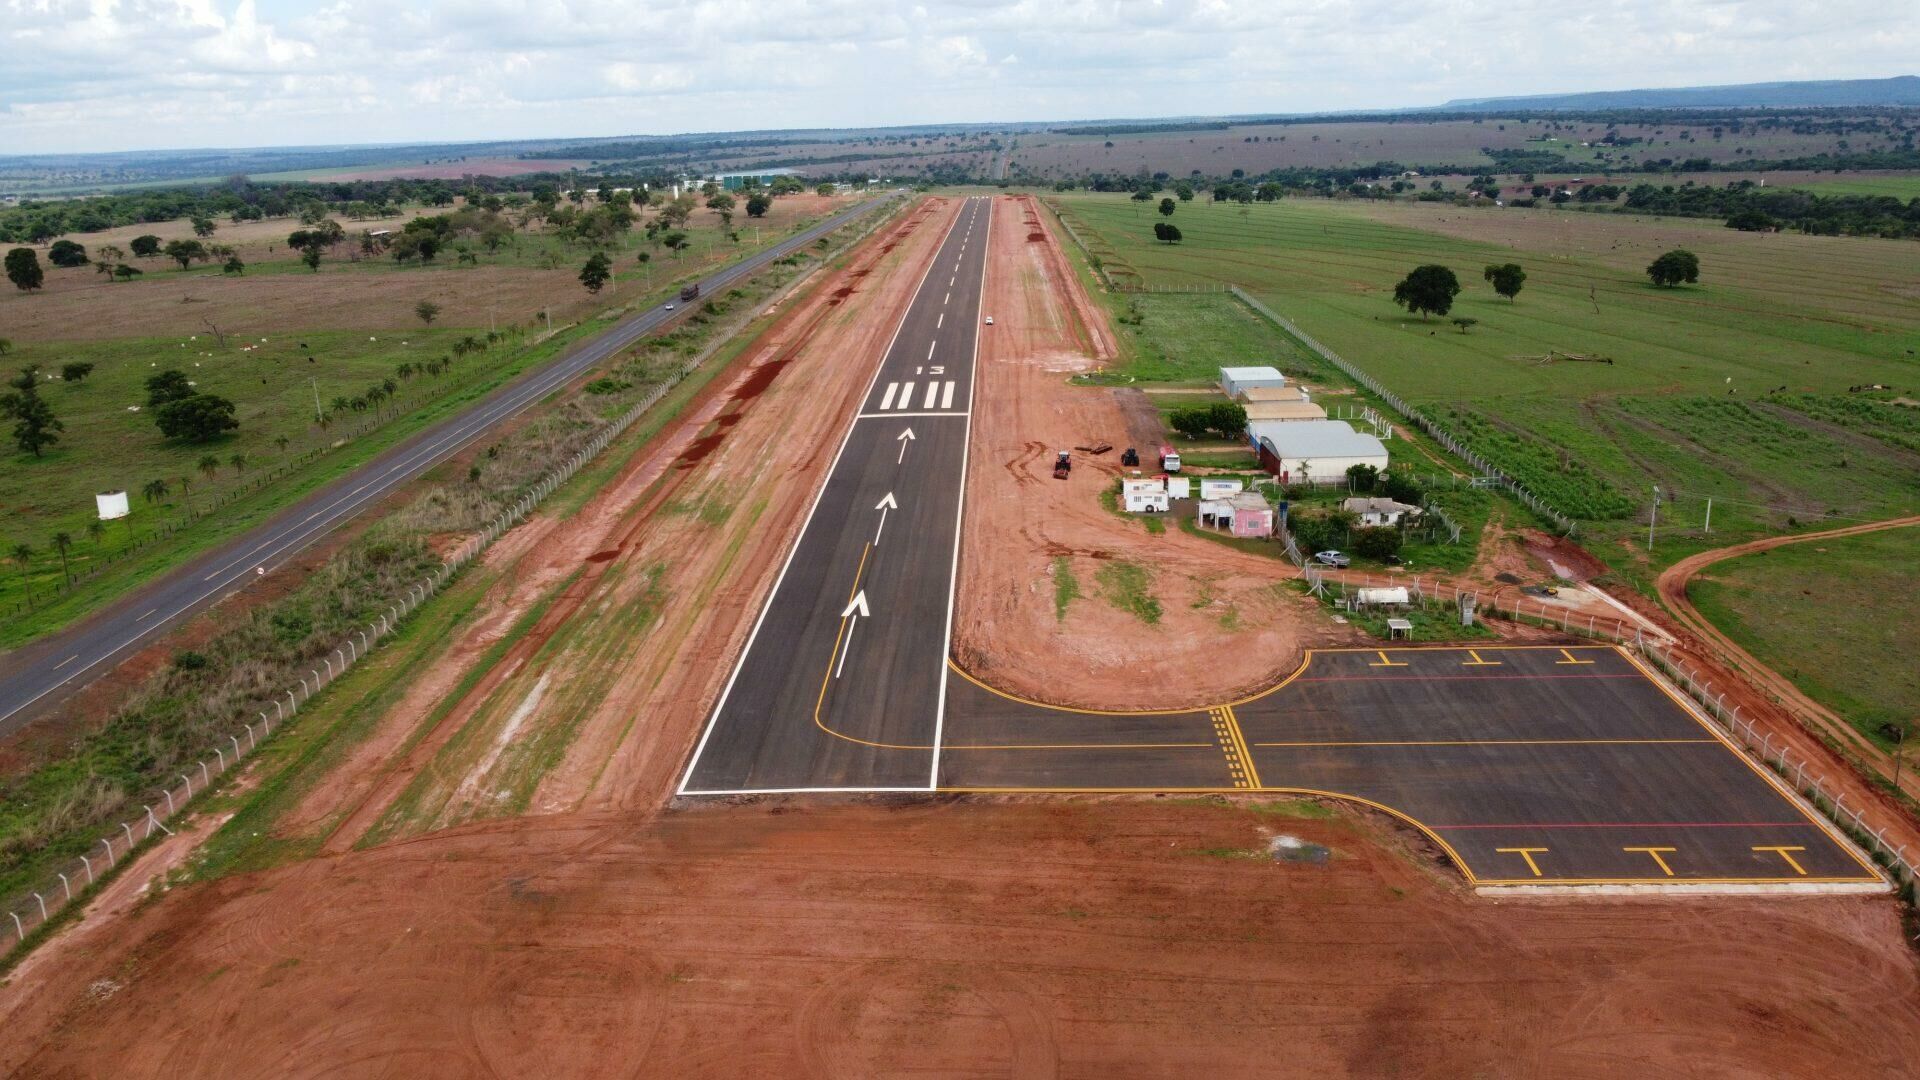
{"type": "Point", "coordinates": [713, 717]}
{"type": "Point", "coordinates": [959, 516]}
{"type": "Point", "coordinates": [509, 402]}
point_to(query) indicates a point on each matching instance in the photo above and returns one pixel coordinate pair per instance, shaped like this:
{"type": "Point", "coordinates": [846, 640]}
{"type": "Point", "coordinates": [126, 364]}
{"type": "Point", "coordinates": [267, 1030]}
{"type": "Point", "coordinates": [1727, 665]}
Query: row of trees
{"type": "Point", "coordinates": [1430, 289]}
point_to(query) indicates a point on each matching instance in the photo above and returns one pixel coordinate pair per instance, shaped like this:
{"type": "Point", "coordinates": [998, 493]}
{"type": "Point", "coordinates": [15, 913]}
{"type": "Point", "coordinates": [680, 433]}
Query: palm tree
{"type": "Point", "coordinates": [405, 371]}
{"type": "Point", "coordinates": [358, 404]}
{"type": "Point", "coordinates": [239, 462]}
{"type": "Point", "coordinates": [209, 465]}
{"type": "Point", "coordinates": [23, 558]}
{"type": "Point", "coordinates": [281, 441]}
{"type": "Point", "coordinates": [96, 529]}
{"type": "Point", "coordinates": [339, 403]}
{"type": "Point", "coordinates": [155, 489]}
{"type": "Point", "coordinates": [61, 542]}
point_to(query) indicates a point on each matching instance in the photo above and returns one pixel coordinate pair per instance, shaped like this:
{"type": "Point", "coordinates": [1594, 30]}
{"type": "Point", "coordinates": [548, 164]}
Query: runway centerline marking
{"type": "Point", "coordinates": [67, 661]}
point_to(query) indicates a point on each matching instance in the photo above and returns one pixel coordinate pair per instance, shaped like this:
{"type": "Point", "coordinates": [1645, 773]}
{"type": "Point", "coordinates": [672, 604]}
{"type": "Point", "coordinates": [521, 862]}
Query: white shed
{"type": "Point", "coordinates": [1313, 450]}
{"type": "Point", "coordinates": [1275, 393]}
{"type": "Point", "coordinates": [1284, 410]}
{"type": "Point", "coordinates": [1217, 489]}
{"type": "Point", "coordinates": [1144, 496]}
{"type": "Point", "coordinates": [1235, 380]}
{"type": "Point", "coordinates": [111, 505]}
{"type": "Point", "coordinates": [1179, 487]}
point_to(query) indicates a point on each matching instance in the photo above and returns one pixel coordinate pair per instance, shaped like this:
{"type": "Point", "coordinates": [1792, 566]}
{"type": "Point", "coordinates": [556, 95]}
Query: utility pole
{"type": "Point", "coordinates": [317, 414]}
{"type": "Point", "coordinates": [1654, 516]}
{"type": "Point", "coordinates": [1708, 527]}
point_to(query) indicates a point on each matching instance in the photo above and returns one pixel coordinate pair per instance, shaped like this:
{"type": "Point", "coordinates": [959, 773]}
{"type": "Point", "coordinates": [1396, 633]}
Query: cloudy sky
{"type": "Point", "coordinates": [141, 74]}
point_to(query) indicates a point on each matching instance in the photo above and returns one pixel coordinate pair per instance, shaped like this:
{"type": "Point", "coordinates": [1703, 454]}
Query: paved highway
{"type": "Point", "coordinates": [35, 676]}
{"type": "Point", "coordinates": [843, 682]}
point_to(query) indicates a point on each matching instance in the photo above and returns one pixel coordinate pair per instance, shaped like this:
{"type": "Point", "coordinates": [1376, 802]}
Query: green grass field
{"type": "Point", "coordinates": [1817, 613]}
{"type": "Point", "coordinates": [1894, 185]}
{"type": "Point", "coordinates": [1676, 407]}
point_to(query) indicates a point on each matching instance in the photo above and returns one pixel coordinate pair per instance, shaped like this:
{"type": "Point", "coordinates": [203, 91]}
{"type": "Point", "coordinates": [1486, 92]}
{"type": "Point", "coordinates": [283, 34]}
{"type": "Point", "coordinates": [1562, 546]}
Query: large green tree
{"type": "Point", "coordinates": [199, 418]}
{"type": "Point", "coordinates": [1507, 278]}
{"type": "Point", "coordinates": [67, 254]}
{"type": "Point", "coordinates": [23, 269]}
{"type": "Point", "coordinates": [146, 247]}
{"type": "Point", "coordinates": [185, 252]}
{"type": "Point", "coordinates": [597, 272]}
{"type": "Point", "coordinates": [169, 385]}
{"type": "Point", "coordinates": [34, 426]}
{"type": "Point", "coordinates": [1676, 266]}
{"type": "Point", "coordinates": [1427, 290]}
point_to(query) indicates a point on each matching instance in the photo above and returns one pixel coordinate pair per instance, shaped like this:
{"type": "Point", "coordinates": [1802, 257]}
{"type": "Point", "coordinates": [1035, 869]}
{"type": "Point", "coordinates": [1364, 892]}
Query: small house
{"type": "Point", "coordinates": [1144, 496]}
{"type": "Point", "coordinates": [1377, 512]}
{"type": "Point", "coordinates": [1236, 379]}
{"type": "Point", "coordinates": [1252, 516]}
{"type": "Point", "coordinates": [1284, 410]}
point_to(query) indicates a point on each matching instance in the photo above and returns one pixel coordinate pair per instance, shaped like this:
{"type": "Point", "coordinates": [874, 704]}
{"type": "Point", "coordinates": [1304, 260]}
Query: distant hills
{"type": "Point", "coordinates": [1899, 90]}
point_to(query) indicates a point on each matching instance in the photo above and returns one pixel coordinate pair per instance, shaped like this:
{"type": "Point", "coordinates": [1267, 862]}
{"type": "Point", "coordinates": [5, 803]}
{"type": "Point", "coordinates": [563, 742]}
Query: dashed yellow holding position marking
{"type": "Point", "coordinates": [1476, 661]}
{"type": "Point", "coordinates": [1384, 662]}
{"type": "Point", "coordinates": [1567, 658]}
{"type": "Point", "coordinates": [1233, 745]}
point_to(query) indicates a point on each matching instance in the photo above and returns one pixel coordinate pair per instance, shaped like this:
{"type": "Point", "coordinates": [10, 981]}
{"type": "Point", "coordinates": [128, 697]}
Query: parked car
{"type": "Point", "coordinates": [669, 307]}
{"type": "Point", "coordinates": [989, 320]}
{"type": "Point", "coordinates": [1332, 558]}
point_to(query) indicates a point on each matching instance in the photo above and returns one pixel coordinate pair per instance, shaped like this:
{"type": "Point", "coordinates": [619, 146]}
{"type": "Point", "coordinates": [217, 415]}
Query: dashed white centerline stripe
{"type": "Point", "coordinates": [941, 321]}
{"type": "Point", "coordinates": [944, 299]}
{"type": "Point", "coordinates": [67, 661]}
{"type": "Point", "coordinates": [930, 347]}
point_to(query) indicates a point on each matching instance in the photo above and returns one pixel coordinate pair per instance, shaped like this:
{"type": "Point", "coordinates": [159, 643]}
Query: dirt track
{"type": "Point", "coordinates": [1673, 591]}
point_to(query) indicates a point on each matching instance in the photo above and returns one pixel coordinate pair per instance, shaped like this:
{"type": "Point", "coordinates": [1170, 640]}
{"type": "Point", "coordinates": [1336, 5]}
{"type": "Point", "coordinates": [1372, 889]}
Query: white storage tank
{"type": "Point", "coordinates": [112, 504]}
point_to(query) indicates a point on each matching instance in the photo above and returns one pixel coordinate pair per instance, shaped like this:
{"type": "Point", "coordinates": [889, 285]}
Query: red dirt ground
{"type": "Point", "coordinates": [1075, 938]}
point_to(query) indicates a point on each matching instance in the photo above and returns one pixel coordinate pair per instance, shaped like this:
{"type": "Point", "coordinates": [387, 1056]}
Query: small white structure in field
{"type": "Point", "coordinates": [1235, 380]}
{"type": "Point", "coordinates": [111, 504]}
{"type": "Point", "coordinates": [1378, 597]}
{"type": "Point", "coordinates": [1179, 487]}
{"type": "Point", "coordinates": [1375, 512]}
{"type": "Point", "coordinates": [1144, 496]}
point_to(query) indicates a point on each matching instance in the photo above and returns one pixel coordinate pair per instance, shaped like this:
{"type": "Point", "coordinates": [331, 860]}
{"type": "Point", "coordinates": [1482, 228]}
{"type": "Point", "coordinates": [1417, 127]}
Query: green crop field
{"type": "Point", "coordinates": [1816, 612]}
{"type": "Point", "coordinates": [1684, 402]}
{"type": "Point", "coordinates": [1893, 185]}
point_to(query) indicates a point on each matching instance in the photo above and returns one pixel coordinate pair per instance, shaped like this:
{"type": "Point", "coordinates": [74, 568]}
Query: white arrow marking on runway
{"type": "Point", "coordinates": [883, 506]}
{"type": "Point", "coordinates": [856, 607]}
{"type": "Point", "coordinates": [905, 437]}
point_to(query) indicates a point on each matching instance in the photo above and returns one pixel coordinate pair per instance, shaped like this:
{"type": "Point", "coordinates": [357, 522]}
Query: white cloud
{"type": "Point", "coordinates": [121, 74]}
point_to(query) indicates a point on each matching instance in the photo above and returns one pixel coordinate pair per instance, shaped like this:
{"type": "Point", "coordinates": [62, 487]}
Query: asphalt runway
{"type": "Point", "coordinates": [1525, 765]}
{"type": "Point", "coordinates": [843, 682]}
{"type": "Point", "coordinates": [36, 676]}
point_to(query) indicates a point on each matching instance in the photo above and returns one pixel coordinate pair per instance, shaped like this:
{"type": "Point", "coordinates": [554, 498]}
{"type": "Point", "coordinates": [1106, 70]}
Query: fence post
{"type": "Point", "coordinates": [88, 863]}
{"type": "Point", "coordinates": [128, 829]}
{"type": "Point", "coordinates": [67, 885]}
{"type": "Point", "coordinates": [204, 781]}
{"type": "Point", "coordinates": [222, 756]}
